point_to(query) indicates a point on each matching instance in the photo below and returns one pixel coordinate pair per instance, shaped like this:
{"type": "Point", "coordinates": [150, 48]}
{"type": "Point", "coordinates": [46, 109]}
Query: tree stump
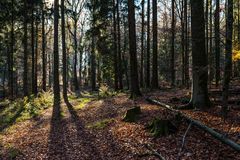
{"type": "Point", "coordinates": [132, 114]}
{"type": "Point", "coordinates": [161, 127]}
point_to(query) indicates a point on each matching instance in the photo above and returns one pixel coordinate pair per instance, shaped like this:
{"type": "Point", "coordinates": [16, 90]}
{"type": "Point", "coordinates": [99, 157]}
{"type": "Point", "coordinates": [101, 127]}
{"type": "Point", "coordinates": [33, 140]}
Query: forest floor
{"type": "Point", "coordinates": [92, 129]}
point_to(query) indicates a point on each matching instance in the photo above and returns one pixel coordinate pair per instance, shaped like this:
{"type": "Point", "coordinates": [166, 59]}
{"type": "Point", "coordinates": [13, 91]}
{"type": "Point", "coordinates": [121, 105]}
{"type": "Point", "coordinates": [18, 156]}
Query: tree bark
{"type": "Point", "coordinates": [217, 44]}
{"type": "Point", "coordinates": [119, 48]}
{"type": "Point", "coordinates": [36, 61]}
{"type": "Point", "coordinates": [147, 76]}
{"type": "Point", "coordinates": [228, 55]}
{"type": "Point", "coordinates": [75, 78]}
{"type": "Point", "coordinates": [155, 47]}
{"type": "Point", "coordinates": [56, 87]}
{"type": "Point", "coordinates": [64, 53]}
{"type": "Point", "coordinates": [44, 72]}
{"type": "Point", "coordinates": [172, 45]}
{"type": "Point", "coordinates": [186, 67]}
{"type": "Point", "coordinates": [135, 91]}
{"type": "Point", "coordinates": [115, 48]}
{"type": "Point", "coordinates": [200, 97]}
{"type": "Point", "coordinates": [25, 52]}
{"type": "Point", "coordinates": [93, 57]}
{"type": "Point", "coordinates": [32, 47]}
{"type": "Point", "coordinates": [142, 44]}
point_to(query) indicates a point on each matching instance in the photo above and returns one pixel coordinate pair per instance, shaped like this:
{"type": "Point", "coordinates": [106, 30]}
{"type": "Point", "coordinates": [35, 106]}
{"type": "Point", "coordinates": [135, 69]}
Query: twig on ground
{"type": "Point", "coordinates": [153, 152]}
{"type": "Point", "coordinates": [184, 139]}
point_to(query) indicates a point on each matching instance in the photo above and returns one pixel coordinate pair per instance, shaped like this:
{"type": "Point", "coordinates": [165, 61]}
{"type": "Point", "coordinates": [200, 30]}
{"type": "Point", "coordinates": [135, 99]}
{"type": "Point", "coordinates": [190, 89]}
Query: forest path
{"type": "Point", "coordinates": [96, 131]}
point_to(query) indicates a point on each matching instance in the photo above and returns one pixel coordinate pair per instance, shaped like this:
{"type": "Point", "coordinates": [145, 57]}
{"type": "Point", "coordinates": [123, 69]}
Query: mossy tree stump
{"type": "Point", "coordinates": [132, 114]}
{"type": "Point", "coordinates": [161, 127]}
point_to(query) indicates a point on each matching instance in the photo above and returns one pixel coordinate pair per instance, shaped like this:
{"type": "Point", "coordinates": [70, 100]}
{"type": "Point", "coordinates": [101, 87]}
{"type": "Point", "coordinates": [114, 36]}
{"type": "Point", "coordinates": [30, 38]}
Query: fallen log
{"type": "Point", "coordinates": [211, 131]}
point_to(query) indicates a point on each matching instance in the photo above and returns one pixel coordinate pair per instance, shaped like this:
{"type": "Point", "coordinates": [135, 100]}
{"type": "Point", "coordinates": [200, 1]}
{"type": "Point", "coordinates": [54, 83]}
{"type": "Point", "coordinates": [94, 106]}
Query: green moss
{"type": "Point", "coordinates": [83, 102]}
{"type": "Point", "coordinates": [100, 124]}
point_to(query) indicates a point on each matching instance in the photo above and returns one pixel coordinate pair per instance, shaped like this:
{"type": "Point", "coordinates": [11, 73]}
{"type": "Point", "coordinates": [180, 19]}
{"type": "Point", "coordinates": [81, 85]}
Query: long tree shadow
{"type": "Point", "coordinates": [85, 138]}
{"type": "Point", "coordinates": [56, 142]}
{"type": "Point", "coordinates": [11, 120]}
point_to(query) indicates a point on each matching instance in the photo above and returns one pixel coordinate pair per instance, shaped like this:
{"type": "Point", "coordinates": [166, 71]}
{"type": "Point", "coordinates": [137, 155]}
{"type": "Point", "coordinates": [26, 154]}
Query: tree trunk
{"type": "Point", "coordinates": [147, 76]}
{"type": "Point", "coordinates": [155, 47]}
{"type": "Point", "coordinates": [32, 47]}
{"type": "Point", "coordinates": [206, 24]}
{"type": "Point", "coordinates": [93, 57]}
{"type": "Point", "coordinates": [25, 52]}
{"type": "Point", "coordinates": [75, 79]}
{"type": "Point", "coordinates": [172, 45]}
{"type": "Point", "coordinates": [142, 44]}
{"type": "Point", "coordinates": [183, 41]}
{"type": "Point", "coordinates": [200, 97]}
{"type": "Point", "coordinates": [56, 87]}
{"type": "Point", "coordinates": [64, 54]}
{"type": "Point", "coordinates": [44, 72]}
{"type": "Point", "coordinates": [10, 56]}
{"type": "Point", "coordinates": [228, 55]}
{"type": "Point", "coordinates": [211, 56]}
{"type": "Point", "coordinates": [115, 48]}
{"type": "Point", "coordinates": [186, 67]}
{"type": "Point", "coordinates": [135, 91]}
{"type": "Point", "coordinates": [119, 48]}
{"type": "Point", "coordinates": [35, 62]}
{"type": "Point", "coordinates": [217, 43]}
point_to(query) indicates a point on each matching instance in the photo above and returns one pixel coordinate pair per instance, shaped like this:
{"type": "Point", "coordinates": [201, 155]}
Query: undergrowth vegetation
{"type": "Point", "coordinates": [24, 109]}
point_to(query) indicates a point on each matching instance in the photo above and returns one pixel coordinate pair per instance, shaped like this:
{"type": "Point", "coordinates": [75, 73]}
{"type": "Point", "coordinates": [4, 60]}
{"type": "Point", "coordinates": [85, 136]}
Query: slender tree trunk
{"type": "Point", "coordinates": [93, 57]}
{"type": "Point", "coordinates": [32, 46]}
{"type": "Point", "coordinates": [119, 48]}
{"type": "Point", "coordinates": [206, 24]}
{"type": "Point", "coordinates": [64, 54]}
{"type": "Point", "coordinates": [80, 66]}
{"type": "Point", "coordinates": [186, 43]}
{"type": "Point", "coordinates": [135, 91]}
{"type": "Point", "coordinates": [228, 55]}
{"type": "Point", "coordinates": [155, 47]}
{"type": "Point", "coordinates": [44, 72]}
{"type": "Point", "coordinates": [10, 55]}
{"type": "Point", "coordinates": [200, 97]}
{"type": "Point", "coordinates": [49, 71]}
{"type": "Point", "coordinates": [56, 87]}
{"type": "Point", "coordinates": [142, 44]}
{"type": "Point", "coordinates": [76, 85]}
{"type": "Point", "coordinates": [36, 61]}
{"type": "Point", "coordinates": [211, 56]}
{"type": "Point", "coordinates": [125, 52]}
{"type": "Point", "coordinates": [217, 43]}
{"type": "Point", "coordinates": [115, 47]}
{"type": "Point", "coordinates": [25, 48]}
{"type": "Point", "coordinates": [172, 45]}
{"type": "Point", "coordinates": [183, 41]}
{"type": "Point", "coordinates": [147, 76]}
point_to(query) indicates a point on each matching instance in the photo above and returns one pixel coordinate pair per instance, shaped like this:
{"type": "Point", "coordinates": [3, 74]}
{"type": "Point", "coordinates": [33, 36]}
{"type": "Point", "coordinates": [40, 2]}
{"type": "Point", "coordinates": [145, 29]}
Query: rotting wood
{"type": "Point", "coordinates": [211, 131]}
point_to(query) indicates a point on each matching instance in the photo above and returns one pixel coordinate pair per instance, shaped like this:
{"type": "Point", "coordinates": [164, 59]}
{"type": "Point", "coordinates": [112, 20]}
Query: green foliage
{"type": "Point", "coordinates": [13, 153]}
{"type": "Point", "coordinates": [83, 102]}
{"type": "Point", "coordinates": [105, 91]}
{"type": "Point", "coordinates": [100, 124]}
{"type": "Point", "coordinates": [24, 109]}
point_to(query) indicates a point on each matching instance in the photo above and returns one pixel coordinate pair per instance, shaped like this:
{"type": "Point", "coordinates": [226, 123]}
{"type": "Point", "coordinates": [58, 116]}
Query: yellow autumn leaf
{"type": "Point", "coordinates": [236, 55]}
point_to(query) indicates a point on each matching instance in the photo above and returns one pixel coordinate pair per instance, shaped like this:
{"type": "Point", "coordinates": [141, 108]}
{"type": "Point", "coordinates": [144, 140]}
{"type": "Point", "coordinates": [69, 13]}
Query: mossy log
{"type": "Point", "coordinates": [198, 124]}
{"type": "Point", "coordinates": [132, 114]}
{"type": "Point", "coordinates": [161, 127]}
